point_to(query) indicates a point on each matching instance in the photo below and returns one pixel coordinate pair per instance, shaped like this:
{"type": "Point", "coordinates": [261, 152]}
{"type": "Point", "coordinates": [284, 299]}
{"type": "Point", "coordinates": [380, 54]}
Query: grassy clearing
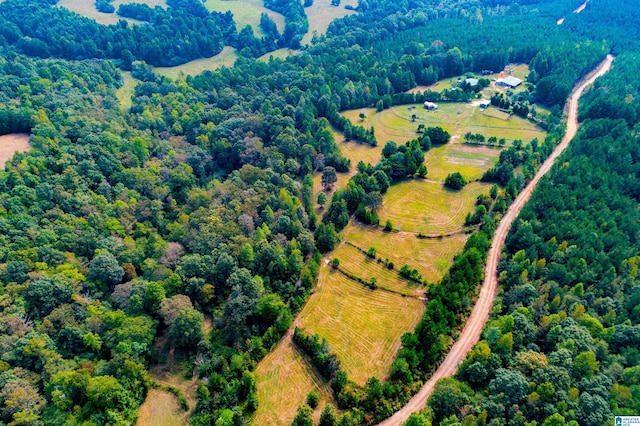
{"type": "Point", "coordinates": [161, 408]}
{"type": "Point", "coordinates": [87, 8]}
{"type": "Point", "coordinates": [127, 90]}
{"type": "Point", "coordinates": [12, 143]}
{"type": "Point", "coordinates": [226, 58]}
{"type": "Point", "coordinates": [356, 151]}
{"type": "Point", "coordinates": [246, 12]}
{"type": "Point", "coordinates": [321, 14]}
{"type": "Point", "coordinates": [283, 53]}
{"type": "Point", "coordinates": [470, 160]}
{"type": "Point", "coordinates": [431, 257]}
{"type": "Point", "coordinates": [353, 261]}
{"type": "Point", "coordinates": [428, 207]}
{"type": "Point", "coordinates": [362, 326]}
{"type": "Point", "coordinates": [343, 179]}
{"type": "Point", "coordinates": [283, 380]}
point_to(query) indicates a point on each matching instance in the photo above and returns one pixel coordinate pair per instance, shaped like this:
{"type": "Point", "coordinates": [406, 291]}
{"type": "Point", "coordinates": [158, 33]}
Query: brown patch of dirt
{"type": "Point", "coordinates": [12, 143]}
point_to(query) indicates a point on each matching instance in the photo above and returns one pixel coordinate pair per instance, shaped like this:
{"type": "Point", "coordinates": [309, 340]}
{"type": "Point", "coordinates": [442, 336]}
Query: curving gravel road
{"type": "Point", "coordinates": [473, 328]}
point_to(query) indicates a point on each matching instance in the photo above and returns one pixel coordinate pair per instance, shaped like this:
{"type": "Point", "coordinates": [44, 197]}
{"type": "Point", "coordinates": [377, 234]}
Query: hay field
{"type": "Point", "coordinates": [321, 14]}
{"type": "Point", "coordinates": [283, 380]}
{"type": "Point", "coordinates": [428, 207]}
{"type": "Point", "coordinates": [470, 160]}
{"type": "Point", "coordinates": [362, 326]}
{"type": "Point", "coordinates": [226, 58]}
{"type": "Point", "coordinates": [246, 12]}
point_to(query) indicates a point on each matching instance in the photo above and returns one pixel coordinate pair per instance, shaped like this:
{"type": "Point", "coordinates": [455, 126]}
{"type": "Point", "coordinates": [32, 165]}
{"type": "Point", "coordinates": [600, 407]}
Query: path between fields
{"type": "Point", "coordinates": [473, 328]}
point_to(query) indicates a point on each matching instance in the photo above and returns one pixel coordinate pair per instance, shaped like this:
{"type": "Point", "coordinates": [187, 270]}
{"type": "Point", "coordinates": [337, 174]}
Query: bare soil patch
{"type": "Point", "coordinates": [12, 143]}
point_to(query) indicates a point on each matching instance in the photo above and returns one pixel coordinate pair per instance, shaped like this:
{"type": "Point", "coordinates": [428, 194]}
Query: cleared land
{"type": "Point", "coordinates": [343, 179]}
{"type": "Point", "coordinates": [226, 58]}
{"type": "Point", "coordinates": [354, 262]}
{"type": "Point", "coordinates": [127, 90]}
{"type": "Point", "coordinates": [362, 326]}
{"type": "Point", "coordinates": [12, 143]}
{"type": "Point", "coordinates": [470, 160]}
{"type": "Point", "coordinates": [283, 380]}
{"type": "Point", "coordinates": [283, 53]}
{"type": "Point", "coordinates": [246, 12]}
{"type": "Point", "coordinates": [87, 8]}
{"type": "Point", "coordinates": [161, 408]}
{"type": "Point", "coordinates": [432, 257]}
{"type": "Point", "coordinates": [428, 207]}
{"type": "Point", "coordinates": [321, 14]}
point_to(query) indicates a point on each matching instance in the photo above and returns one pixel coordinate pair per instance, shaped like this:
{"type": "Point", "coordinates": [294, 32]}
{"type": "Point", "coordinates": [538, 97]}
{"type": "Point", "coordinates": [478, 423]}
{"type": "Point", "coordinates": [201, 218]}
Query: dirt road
{"type": "Point", "coordinates": [472, 329]}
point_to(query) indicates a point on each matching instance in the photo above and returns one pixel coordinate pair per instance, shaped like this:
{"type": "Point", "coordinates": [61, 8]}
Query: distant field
{"type": "Point", "coordinates": [226, 58]}
{"type": "Point", "coordinates": [356, 151]}
{"type": "Point", "coordinates": [246, 12]}
{"type": "Point", "coordinates": [12, 143]}
{"type": "Point", "coordinates": [431, 257]}
{"type": "Point", "coordinates": [283, 53]}
{"type": "Point", "coordinates": [429, 208]}
{"type": "Point", "coordinates": [87, 8]}
{"type": "Point", "coordinates": [127, 90]}
{"type": "Point", "coordinates": [321, 13]}
{"type": "Point", "coordinates": [283, 380]}
{"type": "Point", "coordinates": [470, 160]}
{"type": "Point", "coordinates": [353, 261]}
{"type": "Point", "coordinates": [362, 326]}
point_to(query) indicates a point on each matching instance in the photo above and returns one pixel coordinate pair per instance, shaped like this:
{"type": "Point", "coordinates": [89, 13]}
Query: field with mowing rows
{"type": "Point", "coordinates": [362, 326]}
{"type": "Point", "coordinates": [470, 160]}
{"type": "Point", "coordinates": [355, 262]}
{"type": "Point", "coordinates": [283, 380]}
{"type": "Point", "coordinates": [428, 207]}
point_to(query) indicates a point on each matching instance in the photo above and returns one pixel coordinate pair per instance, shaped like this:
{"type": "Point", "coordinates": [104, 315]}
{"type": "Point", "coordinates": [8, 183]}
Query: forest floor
{"type": "Point", "coordinates": [12, 143]}
{"type": "Point", "coordinates": [473, 328]}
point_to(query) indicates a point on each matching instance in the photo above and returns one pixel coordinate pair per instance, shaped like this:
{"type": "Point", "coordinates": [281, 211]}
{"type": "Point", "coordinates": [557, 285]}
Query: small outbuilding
{"type": "Point", "coordinates": [485, 103]}
{"type": "Point", "coordinates": [430, 106]}
{"type": "Point", "coordinates": [511, 82]}
{"type": "Point", "coordinates": [473, 82]}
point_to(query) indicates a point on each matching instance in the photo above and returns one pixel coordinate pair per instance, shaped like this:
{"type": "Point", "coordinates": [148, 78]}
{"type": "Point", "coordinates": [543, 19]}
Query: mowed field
{"type": "Point", "coordinates": [226, 58]}
{"type": "Point", "coordinates": [362, 326]}
{"type": "Point", "coordinates": [321, 14]}
{"type": "Point", "coordinates": [469, 160]}
{"type": "Point", "coordinates": [283, 381]}
{"type": "Point", "coordinates": [246, 12]}
{"type": "Point", "coordinates": [428, 207]}
{"type": "Point", "coordinates": [87, 8]}
{"type": "Point", "coordinates": [161, 408]}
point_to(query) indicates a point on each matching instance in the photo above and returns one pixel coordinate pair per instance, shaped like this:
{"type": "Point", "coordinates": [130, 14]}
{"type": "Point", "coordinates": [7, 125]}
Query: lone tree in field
{"type": "Point", "coordinates": [455, 181]}
{"type": "Point", "coordinates": [322, 199]}
{"type": "Point", "coordinates": [329, 177]}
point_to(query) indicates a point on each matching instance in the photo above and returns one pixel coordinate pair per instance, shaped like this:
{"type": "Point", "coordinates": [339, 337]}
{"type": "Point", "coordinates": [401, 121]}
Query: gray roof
{"type": "Point", "coordinates": [511, 81]}
{"type": "Point", "coordinates": [472, 81]}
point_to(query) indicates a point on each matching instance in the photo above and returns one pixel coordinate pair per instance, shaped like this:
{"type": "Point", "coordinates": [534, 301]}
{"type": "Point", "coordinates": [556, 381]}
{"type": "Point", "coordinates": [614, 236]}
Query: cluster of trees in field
{"type": "Point", "coordinates": [562, 344]}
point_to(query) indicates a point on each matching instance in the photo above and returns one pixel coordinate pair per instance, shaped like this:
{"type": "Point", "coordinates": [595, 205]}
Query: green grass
{"type": "Point", "coordinates": [246, 12]}
{"type": "Point", "coordinates": [283, 53]}
{"type": "Point", "coordinates": [127, 90]}
{"type": "Point", "coordinates": [226, 58]}
{"type": "Point", "coordinates": [321, 14]}
{"type": "Point", "coordinates": [431, 257]}
{"type": "Point", "coordinates": [283, 380]}
{"type": "Point", "coordinates": [87, 8]}
{"type": "Point", "coordinates": [428, 207]}
{"type": "Point", "coordinates": [362, 326]}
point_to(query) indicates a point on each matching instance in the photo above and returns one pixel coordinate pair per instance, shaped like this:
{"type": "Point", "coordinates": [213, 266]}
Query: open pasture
{"type": "Point", "coordinates": [428, 207]}
{"type": "Point", "coordinates": [87, 8]}
{"type": "Point", "coordinates": [432, 257]}
{"type": "Point", "coordinates": [470, 160]}
{"type": "Point", "coordinates": [321, 14]}
{"type": "Point", "coordinates": [362, 326]}
{"type": "Point", "coordinates": [282, 53]}
{"type": "Point", "coordinates": [354, 262]}
{"type": "Point", "coordinates": [161, 408]}
{"type": "Point", "coordinates": [283, 380]}
{"type": "Point", "coordinates": [226, 58]}
{"type": "Point", "coordinates": [246, 12]}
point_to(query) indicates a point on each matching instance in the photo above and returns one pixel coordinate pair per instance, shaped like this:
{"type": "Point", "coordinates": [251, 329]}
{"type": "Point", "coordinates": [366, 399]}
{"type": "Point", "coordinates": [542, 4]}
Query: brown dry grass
{"type": "Point", "coordinates": [161, 409]}
{"type": "Point", "coordinates": [12, 143]}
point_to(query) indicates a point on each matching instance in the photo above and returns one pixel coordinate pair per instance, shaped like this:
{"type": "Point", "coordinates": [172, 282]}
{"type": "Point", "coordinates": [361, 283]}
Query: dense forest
{"type": "Point", "coordinates": [121, 227]}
